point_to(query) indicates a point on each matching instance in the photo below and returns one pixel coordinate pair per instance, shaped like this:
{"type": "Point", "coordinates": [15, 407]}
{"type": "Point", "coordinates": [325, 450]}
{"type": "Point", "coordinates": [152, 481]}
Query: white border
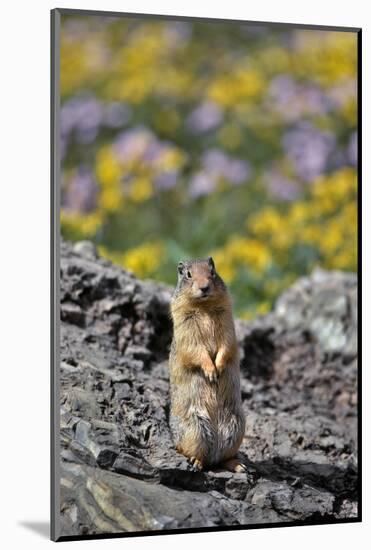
{"type": "Point", "coordinates": [24, 230]}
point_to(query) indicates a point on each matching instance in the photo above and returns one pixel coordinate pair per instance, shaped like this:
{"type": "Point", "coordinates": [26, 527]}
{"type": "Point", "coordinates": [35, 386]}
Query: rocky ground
{"type": "Point", "coordinates": [119, 470]}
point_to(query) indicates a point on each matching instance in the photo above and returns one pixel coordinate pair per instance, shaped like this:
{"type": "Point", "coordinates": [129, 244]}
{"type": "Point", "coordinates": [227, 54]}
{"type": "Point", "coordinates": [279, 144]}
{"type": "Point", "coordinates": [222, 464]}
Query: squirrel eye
{"type": "Point", "coordinates": [189, 275]}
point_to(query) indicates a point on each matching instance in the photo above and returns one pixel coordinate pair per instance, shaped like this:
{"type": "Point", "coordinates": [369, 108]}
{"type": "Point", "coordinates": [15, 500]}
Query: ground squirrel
{"type": "Point", "coordinates": [206, 416]}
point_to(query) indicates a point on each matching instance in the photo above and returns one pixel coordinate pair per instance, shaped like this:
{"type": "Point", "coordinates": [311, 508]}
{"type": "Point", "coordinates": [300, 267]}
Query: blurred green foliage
{"type": "Point", "coordinates": [186, 139]}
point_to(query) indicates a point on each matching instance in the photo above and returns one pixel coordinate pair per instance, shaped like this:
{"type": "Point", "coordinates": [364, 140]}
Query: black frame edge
{"type": "Point", "coordinates": [359, 268]}
{"type": "Point", "coordinates": [54, 275]}
{"type": "Point", "coordinates": [102, 13]}
{"type": "Point", "coordinates": [224, 528]}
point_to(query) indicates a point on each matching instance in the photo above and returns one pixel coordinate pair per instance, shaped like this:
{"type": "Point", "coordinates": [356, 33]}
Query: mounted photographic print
{"type": "Point", "coordinates": [205, 191]}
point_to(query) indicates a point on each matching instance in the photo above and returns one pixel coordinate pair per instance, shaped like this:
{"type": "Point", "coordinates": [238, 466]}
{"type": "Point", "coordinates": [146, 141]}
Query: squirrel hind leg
{"type": "Point", "coordinates": [196, 463]}
{"type": "Point", "coordinates": [234, 465]}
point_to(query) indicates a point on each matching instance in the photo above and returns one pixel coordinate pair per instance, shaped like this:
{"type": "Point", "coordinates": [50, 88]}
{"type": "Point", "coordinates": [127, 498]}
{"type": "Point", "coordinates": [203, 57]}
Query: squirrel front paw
{"type": "Point", "coordinates": [219, 364]}
{"type": "Point", "coordinates": [210, 372]}
{"type": "Point", "coordinates": [221, 360]}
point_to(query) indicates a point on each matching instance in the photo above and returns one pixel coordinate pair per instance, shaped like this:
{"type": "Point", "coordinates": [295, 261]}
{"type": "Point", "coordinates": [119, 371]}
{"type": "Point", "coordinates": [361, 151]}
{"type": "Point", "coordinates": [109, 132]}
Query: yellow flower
{"type": "Point", "coordinates": [238, 86]}
{"type": "Point", "coordinates": [144, 259]}
{"type": "Point", "coordinates": [171, 159]}
{"type": "Point", "coordinates": [311, 234]}
{"type": "Point", "coordinates": [332, 238]}
{"type": "Point", "coordinates": [225, 268]}
{"type": "Point", "coordinates": [110, 199]}
{"type": "Point", "coordinates": [272, 225]}
{"type": "Point", "coordinates": [109, 172]}
{"type": "Point", "coordinates": [299, 213]}
{"type": "Point", "coordinates": [133, 88]}
{"type": "Point", "coordinates": [339, 186]}
{"type": "Point", "coordinates": [326, 57]}
{"type": "Point", "coordinates": [349, 111]}
{"type": "Point", "coordinates": [263, 308]}
{"type": "Point", "coordinates": [81, 225]}
{"type": "Point", "coordinates": [342, 260]}
{"type": "Point", "coordinates": [108, 169]}
{"type": "Point", "coordinates": [350, 214]}
{"type": "Point", "coordinates": [141, 189]}
{"type": "Point", "coordinates": [240, 251]}
{"type": "Point", "coordinates": [265, 222]}
{"type": "Point", "coordinates": [175, 81]}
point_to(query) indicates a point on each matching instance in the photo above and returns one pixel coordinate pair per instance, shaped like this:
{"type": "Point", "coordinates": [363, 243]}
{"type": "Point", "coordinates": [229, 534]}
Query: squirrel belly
{"type": "Point", "coordinates": [206, 416]}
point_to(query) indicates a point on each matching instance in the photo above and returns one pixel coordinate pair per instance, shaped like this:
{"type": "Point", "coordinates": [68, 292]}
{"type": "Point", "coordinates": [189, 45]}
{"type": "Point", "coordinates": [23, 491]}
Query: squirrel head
{"type": "Point", "coordinates": [198, 281]}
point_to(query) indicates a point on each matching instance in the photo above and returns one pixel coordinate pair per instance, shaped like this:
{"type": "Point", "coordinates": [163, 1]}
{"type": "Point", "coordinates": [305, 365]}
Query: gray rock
{"type": "Point", "coordinates": [120, 471]}
{"type": "Point", "coordinates": [86, 249]}
{"type": "Point", "coordinates": [73, 314]}
{"type": "Point", "coordinates": [323, 306]}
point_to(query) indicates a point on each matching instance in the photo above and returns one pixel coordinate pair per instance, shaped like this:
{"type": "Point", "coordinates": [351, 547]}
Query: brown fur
{"type": "Point", "coordinates": [206, 412]}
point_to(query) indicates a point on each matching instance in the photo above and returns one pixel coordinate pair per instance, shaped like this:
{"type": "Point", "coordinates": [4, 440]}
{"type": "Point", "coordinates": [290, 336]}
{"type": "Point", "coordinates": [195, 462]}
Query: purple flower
{"type": "Point", "coordinates": [293, 101]}
{"type": "Point", "coordinates": [204, 118]}
{"type": "Point", "coordinates": [343, 92]}
{"type": "Point", "coordinates": [282, 187]}
{"type": "Point", "coordinates": [337, 160]}
{"type": "Point", "coordinates": [308, 149]}
{"type": "Point", "coordinates": [315, 102]}
{"type": "Point", "coordinates": [83, 116]}
{"type": "Point", "coordinates": [215, 162]}
{"type": "Point", "coordinates": [219, 165]}
{"type": "Point", "coordinates": [282, 89]}
{"type": "Point", "coordinates": [116, 115]}
{"type": "Point", "coordinates": [166, 180]}
{"type": "Point", "coordinates": [154, 151]}
{"type": "Point", "coordinates": [79, 193]}
{"type": "Point", "coordinates": [141, 145]}
{"type": "Point", "coordinates": [201, 184]}
{"type": "Point", "coordinates": [133, 144]}
{"type": "Point", "coordinates": [74, 29]}
{"type": "Point", "coordinates": [178, 32]}
{"type": "Point", "coordinates": [238, 171]}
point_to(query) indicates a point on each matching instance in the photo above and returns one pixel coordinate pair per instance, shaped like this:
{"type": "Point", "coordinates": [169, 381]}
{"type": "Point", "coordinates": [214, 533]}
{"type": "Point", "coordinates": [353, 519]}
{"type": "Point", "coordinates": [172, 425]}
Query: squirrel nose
{"type": "Point", "coordinates": [205, 288]}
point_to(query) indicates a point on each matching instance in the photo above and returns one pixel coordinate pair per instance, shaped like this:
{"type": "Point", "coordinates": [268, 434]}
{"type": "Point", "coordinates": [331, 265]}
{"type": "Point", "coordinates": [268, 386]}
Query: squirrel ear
{"type": "Point", "coordinates": [211, 262]}
{"type": "Point", "coordinates": [180, 268]}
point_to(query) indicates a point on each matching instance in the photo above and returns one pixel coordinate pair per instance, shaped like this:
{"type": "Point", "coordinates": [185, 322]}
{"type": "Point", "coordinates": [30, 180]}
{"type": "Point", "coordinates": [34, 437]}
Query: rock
{"type": "Point", "coordinates": [120, 471]}
{"type": "Point", "coordinates": [134, 466]}
{"type": "Point", "coordinates": [97, 501]}
{"type": "Point", "coordinates": [299, 503]}
{"type": "Point", "coordinates": [86, 249]}
{"type": "Point", "coordinates": [73, 314]}
{"type": "Point", "coordinates": [323, 306]}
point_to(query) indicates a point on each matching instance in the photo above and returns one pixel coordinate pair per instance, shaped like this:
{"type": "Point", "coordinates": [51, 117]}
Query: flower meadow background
{"type": "Point", "coordinates": [187, 139]}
